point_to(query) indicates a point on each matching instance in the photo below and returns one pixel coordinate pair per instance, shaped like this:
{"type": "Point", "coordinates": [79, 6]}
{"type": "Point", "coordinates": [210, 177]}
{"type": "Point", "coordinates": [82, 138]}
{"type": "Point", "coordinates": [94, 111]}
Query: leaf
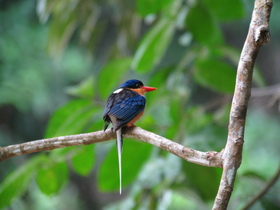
{"type": "Point", "coordinates": [198, 119]}
{"type": "Point", "coordinates": [215, 74]}
{"type": "Point", "coordinates": [84, 89]}
{"type": "Point", "coordinates": [153, 46]}
{"type": "Point", "coordinates": [15, 184]}
{"type": "Point", "coordinates": [233, 55]}
{"type": "Point", "coordinates": [226, 10]}
{"type": "Point", "coordinates": [134, 156]}
{"type": "Point", "coordinates": [98, 123]}
{"type": "Point", "coordinates": [204, 180]}
{"type": "Point", "coordinates": [83, 162]}
{"type": "Point", "coordinates": [145, 7]}
{"type": "Point", "coordinates": [202, 25]}
{"type": "Point", "coordinates": [175, 111]}
{"type": "Point", "coordinates": [171, 132]}
{"type": "Point", "coordinates": [62, 27]}
{"type": "Point", "coordinates": [181, 199]}
{"type": "Point", "coordinates": [71, 118]}
{"type": "Point", "coordinates": [160, 77]}
{"type": "Point", "coordinates": [158, 80]}
{"type": "Point", "coordinates": [111, 74]}
{"type": "Point", "coordinates": [51, 178]}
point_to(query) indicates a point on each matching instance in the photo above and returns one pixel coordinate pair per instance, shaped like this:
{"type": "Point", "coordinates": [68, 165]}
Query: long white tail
{"type": "Point", "coordinates": [119, 147]}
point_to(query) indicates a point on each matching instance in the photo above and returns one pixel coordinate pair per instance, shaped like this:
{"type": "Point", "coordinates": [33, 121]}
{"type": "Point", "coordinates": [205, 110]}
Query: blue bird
{"type": "Point", "coordinates": [123, 108]}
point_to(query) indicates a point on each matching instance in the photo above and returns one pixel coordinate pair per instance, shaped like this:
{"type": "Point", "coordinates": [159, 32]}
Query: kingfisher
{"type": "Point", "coordinates": [123, 108]}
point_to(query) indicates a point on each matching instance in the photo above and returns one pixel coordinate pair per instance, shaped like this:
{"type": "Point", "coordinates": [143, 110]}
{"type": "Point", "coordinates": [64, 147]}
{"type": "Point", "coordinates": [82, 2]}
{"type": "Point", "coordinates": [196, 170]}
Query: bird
{"type": "Point", "coordinates": [123, 108]}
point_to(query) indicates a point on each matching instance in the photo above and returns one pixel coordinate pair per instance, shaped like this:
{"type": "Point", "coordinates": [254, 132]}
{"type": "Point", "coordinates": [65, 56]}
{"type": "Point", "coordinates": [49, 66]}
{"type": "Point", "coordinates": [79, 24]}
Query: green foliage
{"type": "Point", "coordinates": [83, 90]}
{"type": "Point", "coordinates": [131, 165]}
{"type": "Point", "coordinates": [202, 25]}
{"type": "Point", "coordinates": [156, 41]}
{"type": "Point", "coordinates": [83, 162]}
{"type": "Point", "coordinates": [17, 182]}
{"type": "Point", "coordinates": [61, 29]}
{"type": "Point", "coordinates": [215, 74]}
{"type": "Point", "coordinates": [153, 46]}
{"type": "Point", "coordinates": [181, 201]}
{"type": "Point", "coordinates": [56, 172]}
{"type": "Point", "coordinates": [72, 118]}
{"type": "Point", "coordinates": [198, 177]}
{"type": "Point", "coordinates": [226, 10]}
{"type": "Point", "coordinates": [146, 7]}
{"type": "Point", "coordinates": [111, 73]}
{"type": "Point", "coordinates": [200, 119]}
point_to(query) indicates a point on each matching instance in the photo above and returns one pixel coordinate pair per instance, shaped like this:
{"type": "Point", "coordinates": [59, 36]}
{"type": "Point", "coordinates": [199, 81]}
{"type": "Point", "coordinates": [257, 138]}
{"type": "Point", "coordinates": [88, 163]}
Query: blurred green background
{"type": "Point", "coordinates": [60, 60]}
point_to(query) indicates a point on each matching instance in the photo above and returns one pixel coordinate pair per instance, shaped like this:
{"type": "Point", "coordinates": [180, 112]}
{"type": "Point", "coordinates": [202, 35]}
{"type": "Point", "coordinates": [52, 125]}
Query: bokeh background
{"type": "Point", "coordinates": [59, 61]}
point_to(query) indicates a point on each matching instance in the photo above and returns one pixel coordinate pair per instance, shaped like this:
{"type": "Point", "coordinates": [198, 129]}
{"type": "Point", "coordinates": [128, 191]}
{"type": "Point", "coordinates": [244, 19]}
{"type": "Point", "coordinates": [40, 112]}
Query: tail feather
{"type": "Point", "coordinates": [119, 147]}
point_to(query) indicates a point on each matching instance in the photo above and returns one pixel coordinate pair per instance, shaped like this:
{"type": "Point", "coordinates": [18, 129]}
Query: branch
{"type": "Point", "coordinates": [267, 96]}
{"type": "Point", "coordinates": [54, 143]}
{"type": "Point", "coordinates": [263, 191]}
{"type": "Point", "coordinates": [258, 35]}
{"type": "Point", "coordinates": [266, 91]}
{"type": "Point", "coordinates": [210, 159]}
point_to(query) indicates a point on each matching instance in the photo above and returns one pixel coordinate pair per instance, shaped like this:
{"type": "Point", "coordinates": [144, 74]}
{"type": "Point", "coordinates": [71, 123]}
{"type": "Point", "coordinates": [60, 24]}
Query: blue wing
{"type": "Point", "coordinates": [125, 106]}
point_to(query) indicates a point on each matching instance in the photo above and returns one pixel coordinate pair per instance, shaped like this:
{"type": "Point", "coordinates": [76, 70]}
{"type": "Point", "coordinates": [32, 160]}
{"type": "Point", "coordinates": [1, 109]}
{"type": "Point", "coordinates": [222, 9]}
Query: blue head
{"type": "Point", "coordinates": [133, 83]}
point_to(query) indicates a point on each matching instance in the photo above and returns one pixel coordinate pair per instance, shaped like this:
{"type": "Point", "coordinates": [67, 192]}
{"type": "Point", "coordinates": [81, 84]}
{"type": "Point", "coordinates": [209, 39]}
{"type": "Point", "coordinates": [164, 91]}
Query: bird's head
{"type": "Point", "coordinates": [137, 86]}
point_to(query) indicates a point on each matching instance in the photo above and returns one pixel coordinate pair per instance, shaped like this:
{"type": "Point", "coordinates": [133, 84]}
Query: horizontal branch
{"type": "Point", "coordinates": [54, 143]}
{"type": "Point", "coordinates": [210, 159]}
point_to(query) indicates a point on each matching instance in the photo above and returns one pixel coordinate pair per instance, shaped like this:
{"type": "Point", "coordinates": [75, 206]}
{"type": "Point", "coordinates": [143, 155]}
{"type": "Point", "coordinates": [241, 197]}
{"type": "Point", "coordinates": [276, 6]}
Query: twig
{"type": "Point", "coordinates": [266, 91]}
{"type": "Point", "coordinates": [267, 96]}
{"type": "Point", "coordinates": [258, 35]}
{"type": "Point", "coordinates": [263, 191]}
{"type": "Point", "coordinates": [210, 159]}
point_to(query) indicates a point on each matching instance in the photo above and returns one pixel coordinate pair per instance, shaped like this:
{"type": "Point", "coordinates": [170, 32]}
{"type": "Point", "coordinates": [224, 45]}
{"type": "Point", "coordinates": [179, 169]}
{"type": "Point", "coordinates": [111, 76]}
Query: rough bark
{"type": "Point", "coordinates": [211, 159]}
{"type": "Point", "coordinates": [258, 35]}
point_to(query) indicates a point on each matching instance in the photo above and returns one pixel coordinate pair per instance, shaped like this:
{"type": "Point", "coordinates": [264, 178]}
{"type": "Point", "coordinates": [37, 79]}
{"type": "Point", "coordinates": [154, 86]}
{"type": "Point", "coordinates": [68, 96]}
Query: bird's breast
{"type": "Point", "coordinates": [131, 123]}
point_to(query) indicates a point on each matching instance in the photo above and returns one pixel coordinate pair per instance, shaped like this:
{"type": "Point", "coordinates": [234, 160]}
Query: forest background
{"type": "Point", "coordinates": [60, 60]}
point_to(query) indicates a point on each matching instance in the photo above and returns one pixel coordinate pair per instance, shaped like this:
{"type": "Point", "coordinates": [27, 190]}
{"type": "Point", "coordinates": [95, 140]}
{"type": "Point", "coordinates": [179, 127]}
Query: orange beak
{"type": "Point", "coordinates": [148, 89]}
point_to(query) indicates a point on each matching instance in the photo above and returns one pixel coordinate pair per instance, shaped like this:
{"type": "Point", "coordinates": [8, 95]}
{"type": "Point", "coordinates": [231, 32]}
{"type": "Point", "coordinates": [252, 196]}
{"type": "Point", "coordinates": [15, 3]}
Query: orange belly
{"type": "Point", "coordinates": [131, 123]}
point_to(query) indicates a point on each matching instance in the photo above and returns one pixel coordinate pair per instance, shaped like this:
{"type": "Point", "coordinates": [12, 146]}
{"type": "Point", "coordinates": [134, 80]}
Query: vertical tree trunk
{"type": "Point", "coordinates": [258, 35]}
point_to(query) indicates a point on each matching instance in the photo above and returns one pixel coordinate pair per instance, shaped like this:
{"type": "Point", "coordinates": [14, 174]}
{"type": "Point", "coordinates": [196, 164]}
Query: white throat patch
{"type": "Point", "coordinates": [118, 90]}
